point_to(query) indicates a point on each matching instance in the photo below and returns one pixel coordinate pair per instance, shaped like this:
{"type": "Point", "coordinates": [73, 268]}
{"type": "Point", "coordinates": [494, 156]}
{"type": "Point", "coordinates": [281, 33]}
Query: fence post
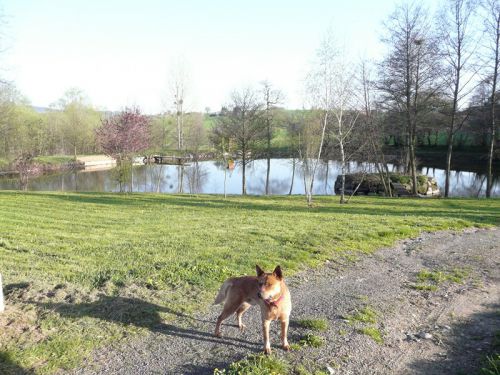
{"type": "Point", "coordinates": [2, 306]}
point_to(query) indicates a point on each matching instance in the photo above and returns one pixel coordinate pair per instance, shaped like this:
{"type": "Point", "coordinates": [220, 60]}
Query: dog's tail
{"type": "Point", "coordinates": [221, 296]}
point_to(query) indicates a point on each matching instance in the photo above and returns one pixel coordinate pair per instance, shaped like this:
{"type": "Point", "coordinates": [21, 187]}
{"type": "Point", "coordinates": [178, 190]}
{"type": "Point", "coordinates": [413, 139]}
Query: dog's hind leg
{"type": "Point", "coordinates": [239, 314]}
{"type": "Point", "coordinates": [230, 308]}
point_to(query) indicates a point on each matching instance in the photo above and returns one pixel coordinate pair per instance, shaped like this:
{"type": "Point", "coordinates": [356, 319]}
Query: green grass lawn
{"type": "Point", "coordinates": [82, 270]}
{"type": "Point", "coordinates": [54, 159]}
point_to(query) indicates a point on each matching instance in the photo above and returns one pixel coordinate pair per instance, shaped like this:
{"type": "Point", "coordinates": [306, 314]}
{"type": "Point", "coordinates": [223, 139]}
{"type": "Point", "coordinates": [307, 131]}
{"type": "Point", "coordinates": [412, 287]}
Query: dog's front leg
{"type": "Point", "coordinates": [284, 334]}
{"type": "Point", "coordinates": [266, 323]}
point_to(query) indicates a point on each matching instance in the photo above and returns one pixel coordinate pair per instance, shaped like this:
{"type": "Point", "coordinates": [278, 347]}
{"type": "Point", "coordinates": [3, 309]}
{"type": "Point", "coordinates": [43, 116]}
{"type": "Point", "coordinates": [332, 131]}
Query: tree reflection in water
{"type": "Point", "coordinates": [208, 177]}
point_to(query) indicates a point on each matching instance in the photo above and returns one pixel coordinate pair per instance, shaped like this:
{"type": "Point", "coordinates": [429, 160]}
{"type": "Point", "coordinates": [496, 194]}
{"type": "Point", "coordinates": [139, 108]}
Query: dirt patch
{"type": "Point", "coordinates": [446, 330]}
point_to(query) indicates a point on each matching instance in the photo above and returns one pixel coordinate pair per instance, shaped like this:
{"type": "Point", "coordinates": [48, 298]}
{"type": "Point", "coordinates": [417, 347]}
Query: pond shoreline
{"type": "Point", "coordinates": [212, 177]}
{"type": "Point", "coordinates": [40, 169]}
{"type": "Point", "coordinates": [467, 161]}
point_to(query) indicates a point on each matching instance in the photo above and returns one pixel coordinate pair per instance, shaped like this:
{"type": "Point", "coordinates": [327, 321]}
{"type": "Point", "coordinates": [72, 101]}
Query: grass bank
{"type": "Point", "coordinates": [53, 161]}
{"type": "Point", "coordinates": [83, 270]}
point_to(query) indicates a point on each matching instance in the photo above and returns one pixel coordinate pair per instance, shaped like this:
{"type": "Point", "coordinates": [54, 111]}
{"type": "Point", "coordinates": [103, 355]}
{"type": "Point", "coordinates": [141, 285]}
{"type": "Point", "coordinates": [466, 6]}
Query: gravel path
{"type": "Point", "coordinates": [457, 320]}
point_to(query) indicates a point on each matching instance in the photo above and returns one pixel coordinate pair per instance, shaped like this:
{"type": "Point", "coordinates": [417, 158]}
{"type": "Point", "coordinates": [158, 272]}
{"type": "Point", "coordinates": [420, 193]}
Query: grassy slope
{"type": "Point", "coordinates": [85, 269]}
{"type": "Point", "coordinates": [54, 159]}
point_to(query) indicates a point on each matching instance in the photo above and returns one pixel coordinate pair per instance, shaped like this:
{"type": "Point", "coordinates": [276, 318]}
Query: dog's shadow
{"type": "Point", "coordinates": [139, 313]}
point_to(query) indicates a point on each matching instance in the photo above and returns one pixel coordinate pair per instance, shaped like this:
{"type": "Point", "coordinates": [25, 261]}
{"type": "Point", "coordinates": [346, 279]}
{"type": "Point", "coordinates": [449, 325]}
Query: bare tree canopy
{"type": "Point", "coordinates": [271, 98]}
{"type": "Point", "coordinates": [319, 90]}
{"type": "Point", "coordinates": [242, 125]}
{"type": "Point", "coordinates": [458, 47]}
{"type": "Point", "coordinates": [410, 74]}
{"type": "Point", "coordinates": [178, 89]}
{"type": "Point", "coordinates": [491, 9]}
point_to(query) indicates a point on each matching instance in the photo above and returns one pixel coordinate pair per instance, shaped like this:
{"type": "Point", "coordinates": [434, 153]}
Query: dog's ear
{"type": "Point", "coordinates": [259, 270]}
{"type": "Point", "coordinates": [278, 273]}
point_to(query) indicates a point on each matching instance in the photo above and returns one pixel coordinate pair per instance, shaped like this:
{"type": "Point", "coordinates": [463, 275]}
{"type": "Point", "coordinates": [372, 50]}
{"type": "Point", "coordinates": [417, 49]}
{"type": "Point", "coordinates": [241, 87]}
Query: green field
{"type": "Point", "coordinates": [54, 159]}
{"type": "Point", "coordinates": [81, 270]}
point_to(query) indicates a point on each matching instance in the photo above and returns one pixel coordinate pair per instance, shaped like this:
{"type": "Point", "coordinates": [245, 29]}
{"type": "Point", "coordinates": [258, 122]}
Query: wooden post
{"type": "Point", "coordinates": [2, 306]}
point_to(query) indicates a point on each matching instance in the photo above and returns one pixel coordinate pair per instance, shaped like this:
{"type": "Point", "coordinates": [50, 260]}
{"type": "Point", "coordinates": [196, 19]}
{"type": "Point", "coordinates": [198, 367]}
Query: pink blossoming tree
{"type": "Point", "coordinates": [122, 136]}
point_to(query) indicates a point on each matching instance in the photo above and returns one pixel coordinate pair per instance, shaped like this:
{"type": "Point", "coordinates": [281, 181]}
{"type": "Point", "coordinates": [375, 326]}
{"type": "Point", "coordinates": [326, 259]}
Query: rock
{"type": "Point", "coordinates": [424, 335]}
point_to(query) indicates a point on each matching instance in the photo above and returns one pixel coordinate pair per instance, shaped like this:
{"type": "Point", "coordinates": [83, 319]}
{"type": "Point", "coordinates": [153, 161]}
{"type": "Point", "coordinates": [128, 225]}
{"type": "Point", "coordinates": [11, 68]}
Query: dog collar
{"type": "Point", "coordinates": [275, 302]}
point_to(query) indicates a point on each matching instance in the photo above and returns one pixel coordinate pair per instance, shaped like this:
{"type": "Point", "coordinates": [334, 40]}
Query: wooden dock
{"type": "Point", "coordinates": [168, 160]}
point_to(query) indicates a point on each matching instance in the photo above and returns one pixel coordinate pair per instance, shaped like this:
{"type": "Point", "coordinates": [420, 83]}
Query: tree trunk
{"type": "Point", "coordinates": [320, 148]}
{"type": "Point", "coordinates": [307, 171]}
{"type": "Point", "coordinates": [268, 157]}
{"type": "Point", "coordinates": [326, 177]}
{"type": "Point", "coordinates": [342, 160]}
{"type": "Point", "coordinates": [451, 130]}
{"type": "Point", "coordinates": [342, 187]}
{"type": "Point", "coordinates": [293, 176]}
{"type": "Point", "coordinates": [132, 176]}
{"type": "Point", "coordinates": [243, 174]}
{"type": "Point", "coordinates": [182, 127]}
{"type": "Point", "coordinates": [448, 164]}
{"type": "Point", "coordinates": [489, 182]}
{"type": "Point", "coordinates": [225, 178]}
{"type": "Point", "coordinates": [180, 178]}
{"type": "Point", "coordinates": [267, 174]}
{"type": "Point", "coordinates": [413, 169]}
{"type": "Point", "coordinates": [159, 179]}
{"type": "Point", "coordinates": [179, 139]}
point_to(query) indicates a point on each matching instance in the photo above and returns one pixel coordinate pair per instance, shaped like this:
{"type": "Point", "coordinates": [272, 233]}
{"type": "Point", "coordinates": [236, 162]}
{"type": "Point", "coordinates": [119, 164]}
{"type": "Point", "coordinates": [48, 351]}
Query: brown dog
{"type": "Point", "coordinates": [268, 290]}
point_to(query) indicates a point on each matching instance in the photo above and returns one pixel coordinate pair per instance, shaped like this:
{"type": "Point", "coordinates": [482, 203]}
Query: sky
{"type": "Point", "coordinates": [121, 52]}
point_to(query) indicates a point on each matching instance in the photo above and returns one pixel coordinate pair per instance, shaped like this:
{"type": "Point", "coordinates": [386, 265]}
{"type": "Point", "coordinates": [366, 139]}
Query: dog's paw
{"type": "Point", "coordinates": [242, 327]}
{"type": "Point", "coordinates": [286, 347]}
{"type": "Point", "coordinates": [267, 351]}
{"type": "Point", "coordinates": [218, 334]}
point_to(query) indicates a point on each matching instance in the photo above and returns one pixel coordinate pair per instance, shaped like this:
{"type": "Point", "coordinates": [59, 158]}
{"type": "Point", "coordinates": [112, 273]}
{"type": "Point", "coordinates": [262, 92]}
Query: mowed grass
{"type": "Point", "coordinates": [84, 269]}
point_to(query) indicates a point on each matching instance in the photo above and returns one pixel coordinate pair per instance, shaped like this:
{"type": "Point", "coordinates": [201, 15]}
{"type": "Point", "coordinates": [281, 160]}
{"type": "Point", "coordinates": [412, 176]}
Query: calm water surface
{"type": "Point", "coordinates": [208, 177]}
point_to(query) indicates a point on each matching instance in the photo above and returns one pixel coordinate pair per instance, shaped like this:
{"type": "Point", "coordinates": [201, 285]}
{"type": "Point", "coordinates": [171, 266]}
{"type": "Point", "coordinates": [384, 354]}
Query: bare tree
{"type": "Point", "coordinates": [195, 134]}
{"type": "Point", "coordinates": [220, 138]}
{"type": "Point", "coordinates": [458, 47]}
{"type": "Point", "coordinates": [319, 88]}
{"type": "Point", "coordinates": [492, 29]}
{"type": "Point", "coordinates": [374, 127]}
{"type": "Point", "coordinates": [271, 98]}
{"type": "Point", "coordinates": [345, 113]}
{"type": "Point", "coordinates": [241, 125]}
{"type": "Point", "coordinates": [178, 85]}
{"type": "Point", "coordinates": [293, 130]}
{"type": "Point", "coordinates": [410, 73]}
{"type": "Point", "coordinates": [23, 164]}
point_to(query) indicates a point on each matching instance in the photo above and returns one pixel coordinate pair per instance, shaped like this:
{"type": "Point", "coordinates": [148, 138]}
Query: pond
{"type": "Point", "coordinates": [208, 177]}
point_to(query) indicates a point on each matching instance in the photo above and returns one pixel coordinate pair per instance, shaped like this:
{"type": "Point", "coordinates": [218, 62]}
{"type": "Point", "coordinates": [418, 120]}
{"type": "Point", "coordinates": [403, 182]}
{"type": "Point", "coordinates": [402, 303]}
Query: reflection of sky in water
{"type": "Point", "coordinates": [208, 177]}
